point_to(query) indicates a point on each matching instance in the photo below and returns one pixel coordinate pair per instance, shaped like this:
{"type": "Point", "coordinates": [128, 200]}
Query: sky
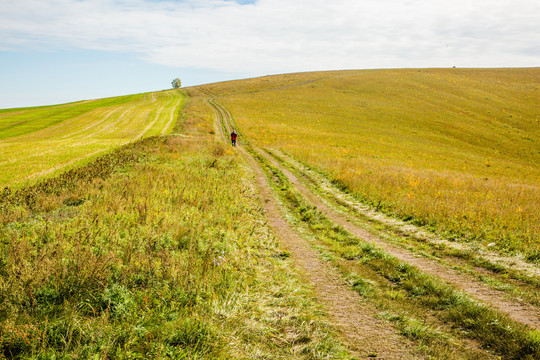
{"type": "Point", "coordinates": [56, 51]}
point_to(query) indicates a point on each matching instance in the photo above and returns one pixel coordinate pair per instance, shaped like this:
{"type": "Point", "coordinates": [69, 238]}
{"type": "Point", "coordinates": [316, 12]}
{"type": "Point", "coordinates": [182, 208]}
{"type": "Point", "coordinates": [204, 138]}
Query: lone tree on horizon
{"type": "Point", "coordinates": [176, 83]}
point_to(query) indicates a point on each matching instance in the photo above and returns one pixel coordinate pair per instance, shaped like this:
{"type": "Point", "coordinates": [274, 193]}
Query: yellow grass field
{"type": "Point", "coordinates": [184, 247]}
{"type": "Point", "coordinates": [457, 150]}
{"type": "Point", "coordinates": [40, 142]}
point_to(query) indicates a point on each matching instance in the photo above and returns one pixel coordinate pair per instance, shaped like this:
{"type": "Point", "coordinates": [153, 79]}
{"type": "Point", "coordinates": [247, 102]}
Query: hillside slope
{"type": "Point", "coordinates": [183, 247]}
{"type": "Point", "coordinates": [454, 149]}
{"type": "Point", "coordinates": [391, 265]}
{"type": "Point", "coordinates": [132, 256]}
{"type": "Point", "coordinates": [43, 141]}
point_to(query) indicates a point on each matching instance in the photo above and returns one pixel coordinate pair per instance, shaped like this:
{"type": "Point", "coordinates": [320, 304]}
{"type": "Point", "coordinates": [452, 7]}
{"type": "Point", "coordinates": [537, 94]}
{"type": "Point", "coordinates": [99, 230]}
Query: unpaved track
{"type": "Point", "coordinates": [364, 333]}
{"type": "Point", "coordinates": [520, 312]}
{"type": "Point", "coordinates": [324, 186]}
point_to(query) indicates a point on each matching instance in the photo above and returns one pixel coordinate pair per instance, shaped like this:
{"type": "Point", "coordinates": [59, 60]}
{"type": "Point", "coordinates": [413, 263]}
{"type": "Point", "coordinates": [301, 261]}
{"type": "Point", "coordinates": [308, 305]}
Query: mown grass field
{"type": "Point", "coordinates": [44, 141]}
{"type": "Point", "coordinates": [157, 250]}
{"type": "Point", "coordinates": [456, 150]}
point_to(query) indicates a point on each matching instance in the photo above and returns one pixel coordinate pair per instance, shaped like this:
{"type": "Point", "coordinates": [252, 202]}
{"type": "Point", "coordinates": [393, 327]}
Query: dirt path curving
{"type": "Point", "coordinates": [518, 311]}
{"type": "Point", "coordinates": [364, 333]}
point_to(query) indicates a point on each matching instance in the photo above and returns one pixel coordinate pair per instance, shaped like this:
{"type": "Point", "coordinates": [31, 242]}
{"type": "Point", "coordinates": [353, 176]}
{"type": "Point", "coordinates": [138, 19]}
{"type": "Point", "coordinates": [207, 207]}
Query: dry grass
{"type": "Point", "coordinates": [441, 319]}
{"type": "Point", "coordinates": [163, 255]}
{"type": "Point", "coordinates": [456, 150]}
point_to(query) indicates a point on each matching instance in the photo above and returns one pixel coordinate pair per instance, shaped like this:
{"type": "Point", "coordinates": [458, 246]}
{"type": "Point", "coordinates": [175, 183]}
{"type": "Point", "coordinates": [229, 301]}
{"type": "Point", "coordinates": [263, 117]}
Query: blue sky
{"type": "Point", "coordinates": [54, 51]}
{"type": "Point", "coordinates": [32, 78]}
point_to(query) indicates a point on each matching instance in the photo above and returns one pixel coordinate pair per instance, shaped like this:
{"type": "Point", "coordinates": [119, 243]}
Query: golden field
{"type": "Point", "coordinates": [156, 241]}
{"type": "Point", "coordinates": [454, 149]}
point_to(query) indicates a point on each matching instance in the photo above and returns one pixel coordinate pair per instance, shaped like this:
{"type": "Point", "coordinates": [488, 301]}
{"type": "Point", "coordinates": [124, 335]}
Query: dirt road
{"type": "Point", "coordinates": [520, 312]}
{"type": "Point", "coordinates": [355, 318]}
{"type": "Point", "coordinates": [365, 334]}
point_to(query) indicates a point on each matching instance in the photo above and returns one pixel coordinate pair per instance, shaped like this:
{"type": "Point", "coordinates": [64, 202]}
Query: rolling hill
{"type": "Point", "coordinates": [364, 214]}
{"type": "Point", "coordinates": [453, 149]}
{"type": "Point", "coordinates": [44, 141]}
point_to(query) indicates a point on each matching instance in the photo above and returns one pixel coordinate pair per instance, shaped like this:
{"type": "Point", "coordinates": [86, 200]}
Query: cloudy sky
{"type": "Point", "coordinates": [54, 51]}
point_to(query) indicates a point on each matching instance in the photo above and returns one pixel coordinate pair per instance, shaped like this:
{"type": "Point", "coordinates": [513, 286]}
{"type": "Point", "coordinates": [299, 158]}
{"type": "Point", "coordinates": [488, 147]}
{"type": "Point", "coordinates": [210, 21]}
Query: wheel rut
{"type": "Point", "coordinates": [521, 312]}
{"type": "Point", "coordinates": [365, 334]}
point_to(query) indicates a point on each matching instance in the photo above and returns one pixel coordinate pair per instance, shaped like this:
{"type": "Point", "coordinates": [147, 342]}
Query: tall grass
{"type": "Point", "coordinates": [162, 254]}
{"type": "Point", "coordinates": [397, 287]}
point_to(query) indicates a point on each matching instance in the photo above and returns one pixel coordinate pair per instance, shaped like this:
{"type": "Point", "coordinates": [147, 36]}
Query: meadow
{"type": "Point", "coordinates": [454, 150]}
{"type": "Point", "coordinates": [158, 249]}
{"type": "Point", "coordinates": [127, 231]}
{"type": "Point", "coordinates": [438, 317]}
{"type": "Point", "coordinates": [44, 141]}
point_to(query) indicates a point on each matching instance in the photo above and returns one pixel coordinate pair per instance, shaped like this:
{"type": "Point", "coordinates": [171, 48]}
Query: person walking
{"type": "Point", "coordinates": [233, 137]}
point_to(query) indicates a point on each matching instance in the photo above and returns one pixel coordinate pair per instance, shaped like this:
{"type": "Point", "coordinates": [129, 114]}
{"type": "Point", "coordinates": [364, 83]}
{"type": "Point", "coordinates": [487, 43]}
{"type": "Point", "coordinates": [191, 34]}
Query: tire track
{"type": "Point", "coordinates": [518, 311]}
{"type": "Point", "coordinates": [330, 191]}
{"type": "Point", "coordinates": [93, 125]}
{"type": "Point", "coordinates": [63, 165]}
{"type": "Point", "coordinates": [156, 119]}
{"type": "Point", "coordinates": [171, 119]}
{"type": "Point", "coordinates": [364, 333]}
{"type": "Point", "coordinates": [158, 116]}
{"type": "Point", "coordinates": [128, 114]}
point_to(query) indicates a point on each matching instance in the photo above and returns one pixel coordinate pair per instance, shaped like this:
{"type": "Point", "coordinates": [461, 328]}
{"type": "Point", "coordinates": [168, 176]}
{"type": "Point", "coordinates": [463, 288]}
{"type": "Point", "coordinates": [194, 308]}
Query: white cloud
{"type": "Point", "coordinates": [284, 35]}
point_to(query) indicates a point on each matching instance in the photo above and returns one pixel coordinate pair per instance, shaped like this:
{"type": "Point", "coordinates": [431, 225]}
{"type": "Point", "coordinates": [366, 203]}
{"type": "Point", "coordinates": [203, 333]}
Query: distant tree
{"type": "Point", "coordinates": [176, 83]}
